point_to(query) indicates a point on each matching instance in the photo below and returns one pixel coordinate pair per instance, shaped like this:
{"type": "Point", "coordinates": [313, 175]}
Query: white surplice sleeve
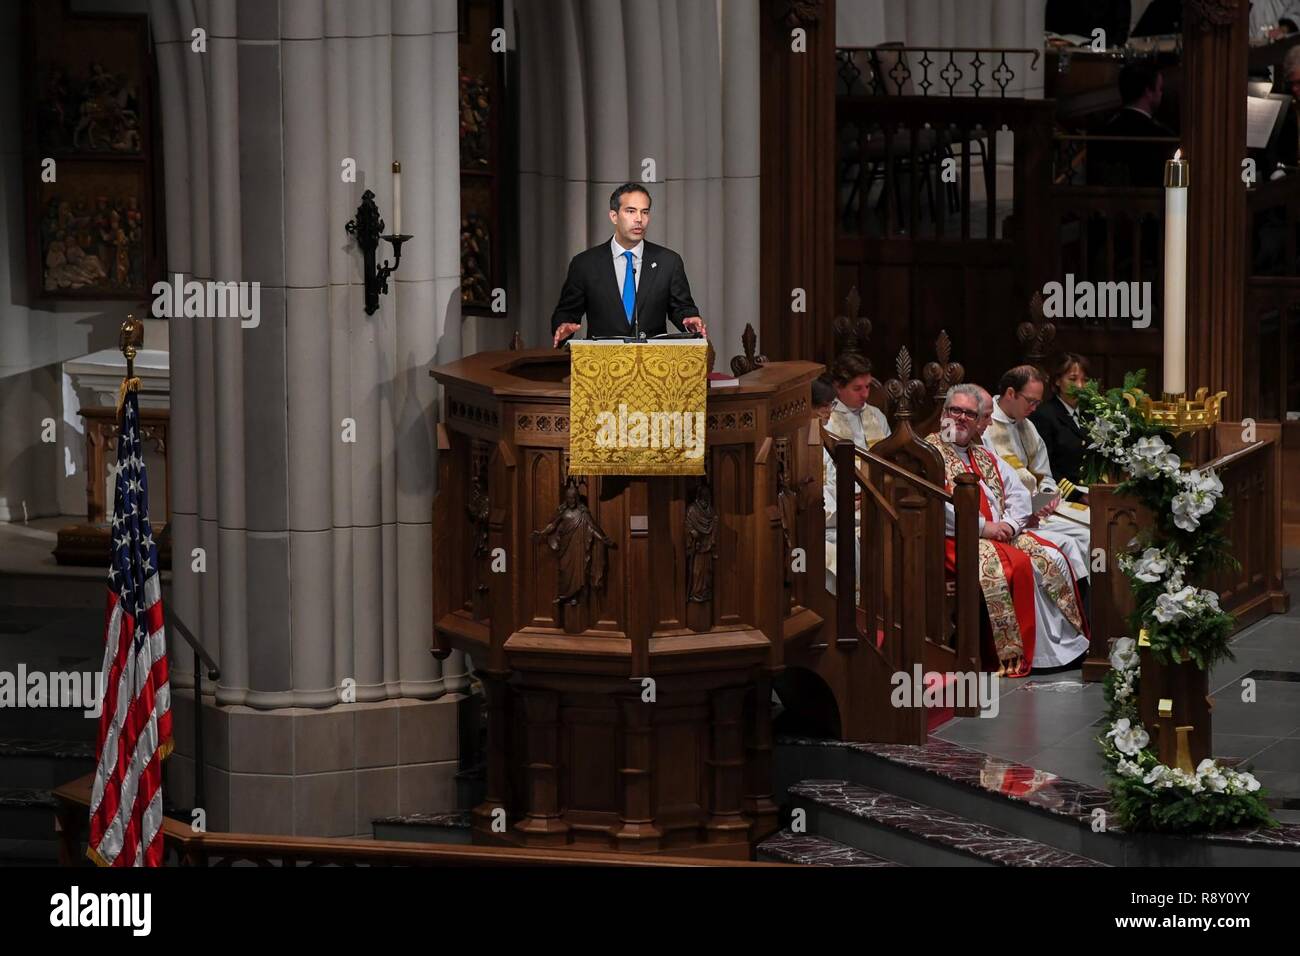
{"type": "Point", "coordinates": [1041, 464]}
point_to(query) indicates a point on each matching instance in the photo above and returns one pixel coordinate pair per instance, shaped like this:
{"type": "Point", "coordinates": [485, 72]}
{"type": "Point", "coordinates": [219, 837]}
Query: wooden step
{"type": "Point", "coordinates": [914, 834]}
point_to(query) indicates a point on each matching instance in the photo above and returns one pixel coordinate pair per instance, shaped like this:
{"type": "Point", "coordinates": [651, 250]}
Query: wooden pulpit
{"type": "Point", "coordinates": [628, 682]}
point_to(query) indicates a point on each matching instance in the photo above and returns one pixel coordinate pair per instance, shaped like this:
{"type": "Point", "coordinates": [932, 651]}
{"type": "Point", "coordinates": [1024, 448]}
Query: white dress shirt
{"type": "Point", "coordinates": [620, 264]}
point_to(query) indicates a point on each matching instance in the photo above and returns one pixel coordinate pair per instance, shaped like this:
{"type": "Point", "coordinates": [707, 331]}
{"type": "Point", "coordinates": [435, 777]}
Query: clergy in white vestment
{"type": "Point", "coordinates": [1029, 587]}
{"type": "Point", "coordinates": [851, 416]}
{"type": "Point", "coordinates": [823, 400]}
{"type": "Point", "coordinates": [1013, 437]}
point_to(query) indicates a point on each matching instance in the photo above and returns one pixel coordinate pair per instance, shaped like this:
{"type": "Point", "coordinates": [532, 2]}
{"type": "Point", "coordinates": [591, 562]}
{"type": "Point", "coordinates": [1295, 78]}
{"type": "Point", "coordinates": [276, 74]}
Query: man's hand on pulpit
{"type": "Point", "coordinates": [565, 330]}
{"type": "Point", "coordinates": [695, 324]}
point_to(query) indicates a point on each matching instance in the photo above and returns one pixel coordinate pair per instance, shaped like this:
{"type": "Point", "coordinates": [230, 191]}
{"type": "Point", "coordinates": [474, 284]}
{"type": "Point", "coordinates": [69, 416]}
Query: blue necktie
{"type": "Point", "coordinates": [629, 287]}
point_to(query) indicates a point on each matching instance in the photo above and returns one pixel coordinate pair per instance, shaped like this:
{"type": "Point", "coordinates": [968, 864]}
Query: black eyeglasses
{"type": "Point", "coordinates": [963, 412]}
{"type": "Point", "coordinates": [1031, 402]}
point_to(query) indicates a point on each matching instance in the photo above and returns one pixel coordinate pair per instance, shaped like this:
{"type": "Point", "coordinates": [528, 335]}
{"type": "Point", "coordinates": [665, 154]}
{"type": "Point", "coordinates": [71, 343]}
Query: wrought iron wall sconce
{"type": "Point", "coordinates": [367, 227]}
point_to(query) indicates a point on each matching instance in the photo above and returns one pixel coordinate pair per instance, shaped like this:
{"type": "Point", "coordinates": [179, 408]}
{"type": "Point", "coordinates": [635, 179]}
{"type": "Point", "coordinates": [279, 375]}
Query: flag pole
{"type": "Point", "coordinates": [130, 340]}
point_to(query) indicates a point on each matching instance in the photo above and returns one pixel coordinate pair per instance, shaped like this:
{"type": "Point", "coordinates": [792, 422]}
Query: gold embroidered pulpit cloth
{"type": "Point", "coordinates": [637, 408]}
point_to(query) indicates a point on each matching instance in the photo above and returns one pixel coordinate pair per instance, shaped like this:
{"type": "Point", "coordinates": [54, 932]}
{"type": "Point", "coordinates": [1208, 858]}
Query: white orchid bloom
{"type": "Point", "coordinates": [1186, 513]}
{"type": "Point", "coordinates": [1129, 738]}
{"type": "Point", "coordinates": [1123, 653]}
{"type": "Point", "coordinates": [1152, 566]}
{"type": "Point", "coordinates": [1127, 768]}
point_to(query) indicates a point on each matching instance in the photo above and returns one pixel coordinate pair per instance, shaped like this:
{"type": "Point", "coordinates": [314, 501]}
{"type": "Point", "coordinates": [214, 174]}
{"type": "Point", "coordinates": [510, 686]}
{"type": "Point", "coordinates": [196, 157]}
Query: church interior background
{"type": "Point", "coordinates": [353, 462]}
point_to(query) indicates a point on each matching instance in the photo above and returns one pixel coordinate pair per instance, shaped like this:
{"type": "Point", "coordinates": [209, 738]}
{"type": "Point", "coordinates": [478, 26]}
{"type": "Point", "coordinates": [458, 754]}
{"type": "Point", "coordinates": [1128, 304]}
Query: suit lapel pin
{"type": "Point", "coordinates": [654, 265]}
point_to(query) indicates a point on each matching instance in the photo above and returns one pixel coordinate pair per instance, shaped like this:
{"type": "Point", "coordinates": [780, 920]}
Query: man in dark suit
{"type": "Point", "coordinates": [1120, 163]}
{"type": "Point", "coordinates": [624, 278]}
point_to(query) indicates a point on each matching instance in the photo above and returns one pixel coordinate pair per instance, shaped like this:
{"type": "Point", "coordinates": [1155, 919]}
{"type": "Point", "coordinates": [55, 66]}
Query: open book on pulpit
{"type": "Point", "coordinates": [637, 407]}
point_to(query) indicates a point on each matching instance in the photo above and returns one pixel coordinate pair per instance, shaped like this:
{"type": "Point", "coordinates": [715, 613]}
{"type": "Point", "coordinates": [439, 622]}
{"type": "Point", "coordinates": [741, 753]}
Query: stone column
{"type": "Point", "coordinates": [303, 452]}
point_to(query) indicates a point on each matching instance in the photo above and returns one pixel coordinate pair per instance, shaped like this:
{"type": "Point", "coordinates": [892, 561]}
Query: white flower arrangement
{"type": "Point", "coordinates": [1129, 740]}
{"type": "Point", "coordinates": [1186, 621]}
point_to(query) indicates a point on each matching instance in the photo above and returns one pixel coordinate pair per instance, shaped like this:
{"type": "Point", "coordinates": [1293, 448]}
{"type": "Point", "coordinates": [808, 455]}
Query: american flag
{"type": "Point", "coordinates": [135, 726]}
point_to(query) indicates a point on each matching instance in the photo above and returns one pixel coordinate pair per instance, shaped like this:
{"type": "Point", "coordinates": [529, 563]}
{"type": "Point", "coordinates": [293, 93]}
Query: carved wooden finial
{"type": "Point", "coordinates": [851, 330]}
{"type": "Point", "coordinates": [1037, 333]}
{"type": "Point", "coordinates": [905, 391]}
{"type": "Point", "coordinates": [944, 374]}
{"type": "Point", "coordinates": [743, 364]}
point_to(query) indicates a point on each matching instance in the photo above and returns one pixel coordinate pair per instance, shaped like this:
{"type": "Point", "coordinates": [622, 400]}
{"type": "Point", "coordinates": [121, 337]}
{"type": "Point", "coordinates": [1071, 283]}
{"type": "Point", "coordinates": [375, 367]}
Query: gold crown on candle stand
{"type": "Point", "coordinates": [1177, 413]}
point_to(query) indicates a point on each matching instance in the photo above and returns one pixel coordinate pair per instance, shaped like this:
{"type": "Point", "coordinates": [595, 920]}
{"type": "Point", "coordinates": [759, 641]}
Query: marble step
{"type": "Point", "coordinates": [913, 834]}
{"type": "Point", "coordinates": [34, 763]}
{"type": "Point", "coordinates": [808, 849]}
{"type": "Point", "coordinates": [1023, 801]}
{"type": "Point", "coordinates": [1013, 797]}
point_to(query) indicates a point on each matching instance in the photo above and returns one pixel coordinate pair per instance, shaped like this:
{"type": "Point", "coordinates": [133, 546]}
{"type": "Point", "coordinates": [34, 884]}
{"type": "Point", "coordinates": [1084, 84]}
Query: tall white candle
{"type": "Point", "coordinates": [397, 198]}
{"type": "Point", "coordinates": [1175, 313]}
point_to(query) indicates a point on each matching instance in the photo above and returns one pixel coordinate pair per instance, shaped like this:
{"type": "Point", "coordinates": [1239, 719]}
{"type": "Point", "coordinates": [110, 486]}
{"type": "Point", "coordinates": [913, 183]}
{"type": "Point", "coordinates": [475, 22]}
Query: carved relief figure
{"type": "Point", "coordinates": [701, 545]}
{"type": "Point", "coordinates": [579, 546]}
{"type": "Point", "coordinates": [787, 503]}
{"type": "Point", "coordinates": [478, 508]}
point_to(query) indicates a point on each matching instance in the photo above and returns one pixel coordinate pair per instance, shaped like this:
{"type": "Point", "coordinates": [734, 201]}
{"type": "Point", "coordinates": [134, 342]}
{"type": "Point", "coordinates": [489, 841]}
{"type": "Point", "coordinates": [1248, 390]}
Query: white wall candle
{"type": "Point", "coordinates": [397, 199]}
{"type": "Point", "coordinates": [1175, 311]}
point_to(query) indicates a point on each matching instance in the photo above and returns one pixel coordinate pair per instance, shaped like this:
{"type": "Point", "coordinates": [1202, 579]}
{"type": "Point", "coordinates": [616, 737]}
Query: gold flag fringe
{"type": "Point", "coordinates": [128, 385]}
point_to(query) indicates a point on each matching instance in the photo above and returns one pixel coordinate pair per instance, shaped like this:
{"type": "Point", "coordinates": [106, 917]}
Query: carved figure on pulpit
{"type": "Point", "coordinates": [701, 545]}
{"type": "Point", "coordinates": [479, 508]}
{"type": "Point", "coordinates": [579, 546]}
{"type": "Point", "coordinates": [787, 506]}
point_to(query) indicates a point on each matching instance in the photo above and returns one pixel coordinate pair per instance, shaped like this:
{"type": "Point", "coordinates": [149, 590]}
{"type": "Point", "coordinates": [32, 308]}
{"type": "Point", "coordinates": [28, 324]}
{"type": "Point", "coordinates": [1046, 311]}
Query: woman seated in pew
{"type": "Point", "coordinates": [851, 416]}
{"type": "Point", "coordinates": [1057, 421]}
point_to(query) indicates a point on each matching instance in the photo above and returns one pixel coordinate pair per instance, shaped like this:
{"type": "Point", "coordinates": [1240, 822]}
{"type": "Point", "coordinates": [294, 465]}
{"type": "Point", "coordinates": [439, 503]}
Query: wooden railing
{"type": "Point", "coordinates": [896, 608]}
{"type": "Point", "coordinates": [896, 70]}
{"type": "Point", "coordinates": [184, 846]}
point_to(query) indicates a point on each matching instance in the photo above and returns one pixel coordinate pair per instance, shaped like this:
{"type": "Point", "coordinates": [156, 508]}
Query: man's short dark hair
{"type": "Point", "coordinates": [848, 366]}
{"type": "Point", "coordinates": [616, 197]}
{"type": "Point", "coordinates": [1135, 79]}
{"type": "Point", "coordinates": [1018, 377]}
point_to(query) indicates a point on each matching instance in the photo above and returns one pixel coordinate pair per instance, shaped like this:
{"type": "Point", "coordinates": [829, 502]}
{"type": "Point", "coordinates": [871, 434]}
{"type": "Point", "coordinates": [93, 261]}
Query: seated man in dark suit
{"type": "Point", "coordinates": [1141, 87]}
{"type": "Point", "coordinates": [1057, 421]}
{"type": "Point", "coordinates": [626, 278]}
